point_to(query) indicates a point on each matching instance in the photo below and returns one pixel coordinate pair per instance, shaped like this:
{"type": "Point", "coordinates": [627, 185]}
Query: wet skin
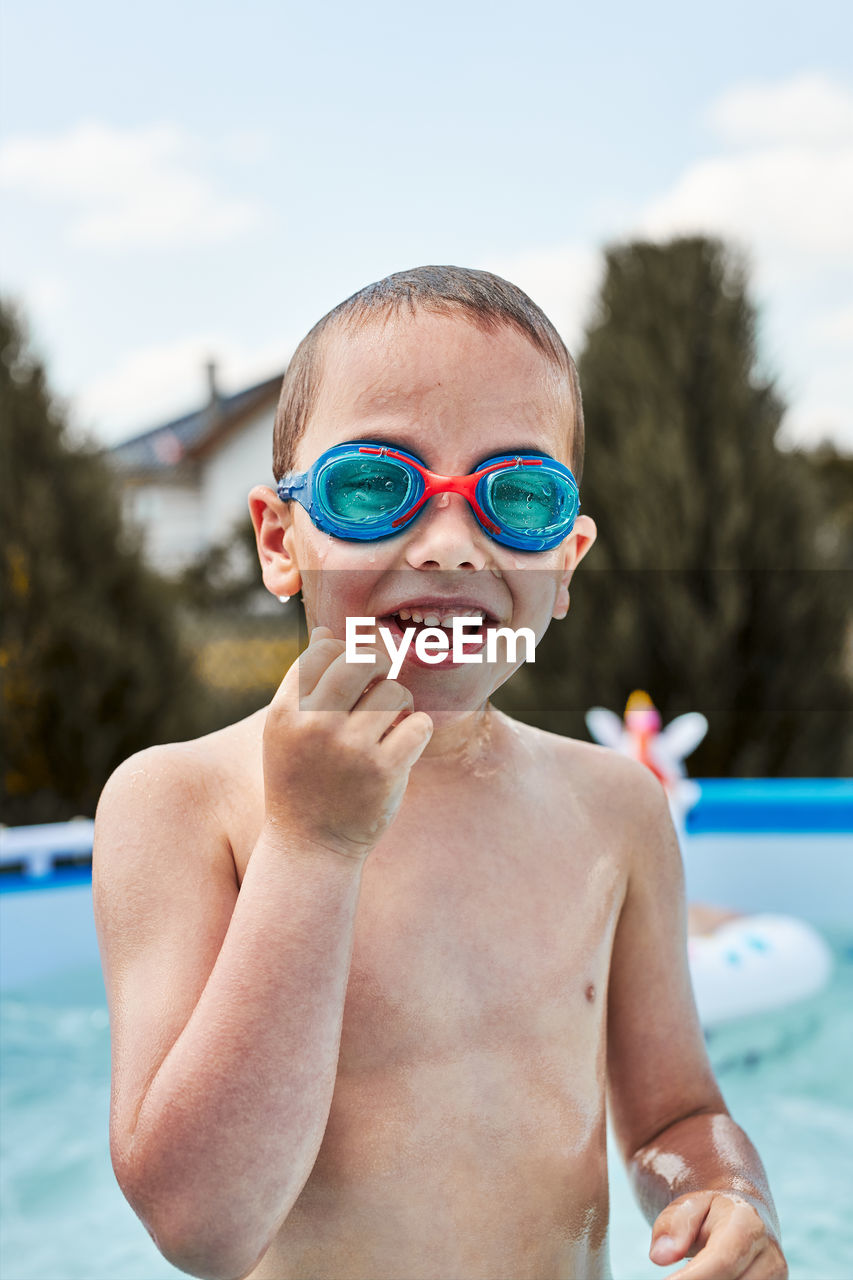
{"type": "Point", "coordinates": [466, 1133]}
{"type": "Point", "coordinates": [516, 904]}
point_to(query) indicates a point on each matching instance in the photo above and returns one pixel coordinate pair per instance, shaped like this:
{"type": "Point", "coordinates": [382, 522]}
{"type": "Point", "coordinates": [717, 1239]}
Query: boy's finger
{"type": "Point", "coordinates": [384, 694]}
{"type": "Point", "coordinates": [732, 1244]}
{"type": "Point", "coordinates": [664, 1250]}
{"type": "Point", "coordinates": [322, 650]}
{"type": "Point", "coordinates": [676, 1228]}
{"type": "Point", "coordinates": [722, 1259]}
{"type": "Point", "coordinates": [385, 702]}
{"type": "Point", "coordinates": [403, 744]}
{"type": "Point", "coordinates": [342, 683]}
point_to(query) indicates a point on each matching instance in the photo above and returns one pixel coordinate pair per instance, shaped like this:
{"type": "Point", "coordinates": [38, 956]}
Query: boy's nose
{"type": "Point", "coordinates": [447, 536]}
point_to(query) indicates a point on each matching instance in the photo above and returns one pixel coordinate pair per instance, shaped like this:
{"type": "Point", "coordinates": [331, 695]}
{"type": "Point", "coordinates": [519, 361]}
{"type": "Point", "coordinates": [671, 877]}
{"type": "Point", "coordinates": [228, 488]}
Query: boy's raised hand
{"type": "Point", "coordinates": [727, 1235]}
{"type": "Point", "coordinates": [339, 742]}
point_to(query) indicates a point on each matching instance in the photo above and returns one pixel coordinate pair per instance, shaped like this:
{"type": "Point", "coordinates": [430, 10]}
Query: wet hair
{"type": "Point", "coordinates": [485, 299]}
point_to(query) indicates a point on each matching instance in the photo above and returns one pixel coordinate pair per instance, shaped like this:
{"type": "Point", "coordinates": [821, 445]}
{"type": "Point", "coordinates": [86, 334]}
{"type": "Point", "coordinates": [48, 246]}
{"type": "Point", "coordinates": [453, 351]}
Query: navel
{"type": "Point", "coordinates": [590, 991]}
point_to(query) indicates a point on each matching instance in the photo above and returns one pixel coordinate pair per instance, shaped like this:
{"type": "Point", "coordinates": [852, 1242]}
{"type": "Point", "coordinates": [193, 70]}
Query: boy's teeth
{"type": "Point", "coordinates": [447, 619]}
{"type": "Point", "coordinates": [439, 619]}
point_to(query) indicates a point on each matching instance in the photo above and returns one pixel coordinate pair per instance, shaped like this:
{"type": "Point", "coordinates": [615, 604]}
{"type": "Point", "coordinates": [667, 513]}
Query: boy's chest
{"type": "Point", "coordinates": [489, 930]}
{"type": "Point", "coordinates": [484, 920]}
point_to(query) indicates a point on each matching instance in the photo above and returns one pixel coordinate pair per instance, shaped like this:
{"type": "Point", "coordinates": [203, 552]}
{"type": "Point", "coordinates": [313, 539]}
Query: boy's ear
{"type": "Point", "coordinates": [574, 549]}
{"type": "Point", "coordinates": [273, 524]}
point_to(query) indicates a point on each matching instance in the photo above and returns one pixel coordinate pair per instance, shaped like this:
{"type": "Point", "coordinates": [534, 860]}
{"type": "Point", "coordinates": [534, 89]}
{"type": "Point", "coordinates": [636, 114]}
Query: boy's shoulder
{"type": "Point", "coordinates": [216, 771]}
{"type": "Point", "coordinates": [616, 799]}
{"type": "Point", "coordinates": [204, 794]}
{"type": "Point", "coordinates": [605, 774]}
{"type": "Point", "coordinates": [215, 757]}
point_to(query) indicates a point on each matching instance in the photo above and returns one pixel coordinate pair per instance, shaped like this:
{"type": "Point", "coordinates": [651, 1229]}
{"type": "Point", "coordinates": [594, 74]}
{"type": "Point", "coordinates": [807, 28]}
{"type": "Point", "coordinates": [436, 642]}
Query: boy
{"type": "Point", "coordinates": [377, 955]}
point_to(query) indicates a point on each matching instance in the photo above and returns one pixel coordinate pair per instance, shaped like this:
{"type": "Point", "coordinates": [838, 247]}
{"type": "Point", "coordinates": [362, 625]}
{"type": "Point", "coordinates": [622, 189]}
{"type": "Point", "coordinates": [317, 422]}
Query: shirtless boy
{"type": "Point", "coordinates": [378, 956]}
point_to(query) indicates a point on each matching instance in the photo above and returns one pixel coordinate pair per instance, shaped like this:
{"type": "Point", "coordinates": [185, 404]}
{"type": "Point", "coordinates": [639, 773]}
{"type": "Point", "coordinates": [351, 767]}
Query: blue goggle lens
{"type": "Point", "coordinates": [361, 490]}
{"type": "Point", "coordinates": [526, 498]}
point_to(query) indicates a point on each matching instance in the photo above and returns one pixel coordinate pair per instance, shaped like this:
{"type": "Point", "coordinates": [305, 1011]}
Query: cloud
{"type": "Point", "coordinates": [561, 279]}
{"type": "Point", "coordinates": [781, 185]}
{"type": "Point", "coordinates": [48, 295]}
{"type": "Point", "coordinates": [793, 202]}
{"type": "Point", "coordinates": [786, 188]}
{"type": "Point", "coordinates": [155, 384]}
{"type": "Point", "coordinates": [837, 327]}
{"type": "Point", "coordinates": [778, 179]}
{"type": "Point", "coordinates": [807, 109]}
{"type": "Point", "coordinates": [131, 188]}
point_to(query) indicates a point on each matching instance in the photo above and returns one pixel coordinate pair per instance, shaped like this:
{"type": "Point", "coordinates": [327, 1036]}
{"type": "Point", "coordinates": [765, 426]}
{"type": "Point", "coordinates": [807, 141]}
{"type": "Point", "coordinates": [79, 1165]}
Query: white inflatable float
{"type": "Point", "coordinates": [754, 964]}
{"type": "Point", "coordinates": [746, 965]}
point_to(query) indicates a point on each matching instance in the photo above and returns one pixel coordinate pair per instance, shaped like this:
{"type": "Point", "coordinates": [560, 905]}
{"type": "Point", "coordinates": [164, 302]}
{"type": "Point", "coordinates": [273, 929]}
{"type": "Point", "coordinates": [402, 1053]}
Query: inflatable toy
{"type": "Point", "coordinates": [743, 965]}
{"type": "Point", "coordinates": [662, 750]}
{"type": "Point", "coordinates": [752, 964]}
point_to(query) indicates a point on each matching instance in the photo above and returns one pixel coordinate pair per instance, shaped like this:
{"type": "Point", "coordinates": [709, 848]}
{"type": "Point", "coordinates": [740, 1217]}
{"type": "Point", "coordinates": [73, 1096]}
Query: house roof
{"type": "Point", "coordinates": [161, 448]}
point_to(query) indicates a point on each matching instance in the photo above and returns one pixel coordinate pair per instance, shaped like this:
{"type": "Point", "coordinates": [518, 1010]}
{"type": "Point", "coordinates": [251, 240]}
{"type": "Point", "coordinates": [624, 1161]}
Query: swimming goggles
{"type": "Point", "coordinates": [362, 491]}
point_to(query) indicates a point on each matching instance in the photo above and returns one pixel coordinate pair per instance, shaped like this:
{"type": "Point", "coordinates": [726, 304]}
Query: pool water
{"type": "Point", "coordinates": [794, 1098]}
{"type": "Point", "coordinates": [64, 1217]}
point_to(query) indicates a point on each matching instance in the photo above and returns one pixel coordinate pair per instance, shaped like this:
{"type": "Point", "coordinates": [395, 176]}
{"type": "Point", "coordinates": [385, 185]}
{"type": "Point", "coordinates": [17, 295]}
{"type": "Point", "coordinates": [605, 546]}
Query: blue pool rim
{"type": "Point", "coordinates": [727, 806]}
{"type": "Point", "coordinates": [773, 806]}
{"type": "Point", "coordinates": [56, 878]}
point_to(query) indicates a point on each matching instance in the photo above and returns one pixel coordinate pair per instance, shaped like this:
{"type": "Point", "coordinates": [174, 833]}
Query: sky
{"type": "Point", "coordinates": [185, 182]}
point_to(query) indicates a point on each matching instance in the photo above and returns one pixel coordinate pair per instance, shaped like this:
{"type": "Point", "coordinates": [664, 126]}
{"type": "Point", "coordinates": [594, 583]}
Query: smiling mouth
{"type": "Point", "coordinates": [420, 618]}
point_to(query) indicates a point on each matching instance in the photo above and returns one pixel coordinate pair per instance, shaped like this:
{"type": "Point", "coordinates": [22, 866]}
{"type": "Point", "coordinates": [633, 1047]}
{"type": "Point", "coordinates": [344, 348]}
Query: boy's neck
{"type": "Point", "coordinates": [460, 742]}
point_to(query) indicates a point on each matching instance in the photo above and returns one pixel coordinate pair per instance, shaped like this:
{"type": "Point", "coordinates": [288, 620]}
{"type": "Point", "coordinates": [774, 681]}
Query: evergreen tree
{"type": "Point", "coordinates": [707, 586]}
{"type": "Point", "coordinates": [225, 575]}
{"type": "Point", "coordinates": [90, 667]}
{"type": "Point", "coordinates": [244, 639]}
{"type": "Point", "coordinates": [833, 472]}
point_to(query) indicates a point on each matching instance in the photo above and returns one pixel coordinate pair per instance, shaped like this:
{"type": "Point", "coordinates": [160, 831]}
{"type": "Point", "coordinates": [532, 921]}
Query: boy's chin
{"type": "Point", "coordinates": [450, 695]}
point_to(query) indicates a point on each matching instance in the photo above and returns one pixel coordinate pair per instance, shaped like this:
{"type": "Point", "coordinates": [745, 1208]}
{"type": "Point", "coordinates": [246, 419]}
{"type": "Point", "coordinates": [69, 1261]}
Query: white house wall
{"type": "Point", "coordinates": [169, 517]}
{"type": "Point", "coordinates": [242, 461]}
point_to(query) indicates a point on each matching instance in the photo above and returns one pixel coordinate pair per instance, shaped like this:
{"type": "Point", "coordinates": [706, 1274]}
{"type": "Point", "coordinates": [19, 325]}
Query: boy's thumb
{"type": "Point", "coordinates": [665, 1250]}
{"type": "Point", "coordinates": [672, 1233]}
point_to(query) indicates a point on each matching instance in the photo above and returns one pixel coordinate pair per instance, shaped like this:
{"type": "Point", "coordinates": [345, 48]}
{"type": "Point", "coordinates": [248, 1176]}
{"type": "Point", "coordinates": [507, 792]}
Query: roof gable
{"type": "Point", "coordinates": [196, 434]}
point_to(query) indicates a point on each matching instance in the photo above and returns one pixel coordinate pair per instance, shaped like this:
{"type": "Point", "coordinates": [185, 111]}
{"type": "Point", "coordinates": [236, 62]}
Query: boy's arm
{"type": "Point", "coordinates": [695, 1173]}
{"type": "Point", "coordinates": [226, 1006]}
{"type": "Point", "coordinates": [225, 1013]}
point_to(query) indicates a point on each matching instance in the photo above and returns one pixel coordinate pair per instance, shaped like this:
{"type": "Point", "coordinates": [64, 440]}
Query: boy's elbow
{"type": "Point", "coordinates": [205, 1259]}
{"type": "Point", "coordinates": [210, 1256]}
{"type": "Point", "coordinates": [208, 1259]}
{"type": "Point", "coordinates": [187, 1235]}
